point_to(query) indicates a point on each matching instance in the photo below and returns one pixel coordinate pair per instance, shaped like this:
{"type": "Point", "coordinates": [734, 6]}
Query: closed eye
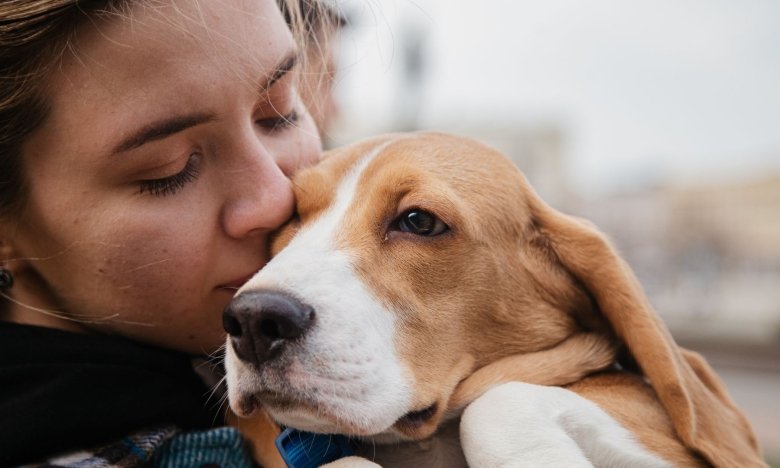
{"type": "Point", "coordinates": [172, 184]}
{"type": "Point", "coordinates": [280, 122]}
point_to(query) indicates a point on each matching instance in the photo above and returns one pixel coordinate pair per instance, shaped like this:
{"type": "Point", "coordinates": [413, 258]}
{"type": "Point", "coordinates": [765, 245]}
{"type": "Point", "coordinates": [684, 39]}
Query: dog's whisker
{"type": "Point", "coordinates": [214, 358]}
{"type": "Point", "coordinates": [221, 409]}
{"type": "Point", "coordinates": [217, 389]}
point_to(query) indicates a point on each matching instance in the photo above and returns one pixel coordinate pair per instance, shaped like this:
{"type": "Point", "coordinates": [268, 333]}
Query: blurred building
{"type": "Point", "coordinates": [709, 256]}
{"type": "Point", "coordinates": [709, 259]}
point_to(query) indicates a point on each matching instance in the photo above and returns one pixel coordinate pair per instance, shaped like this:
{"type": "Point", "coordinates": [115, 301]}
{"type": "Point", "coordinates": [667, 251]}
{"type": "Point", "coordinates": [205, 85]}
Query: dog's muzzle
{"type": "Point", "coordinates": [261, 322]}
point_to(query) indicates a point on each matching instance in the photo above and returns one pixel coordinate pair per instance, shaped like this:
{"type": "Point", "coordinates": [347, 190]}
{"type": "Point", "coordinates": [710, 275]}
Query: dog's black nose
{"type": "Point", "coordinates": [260, 322]}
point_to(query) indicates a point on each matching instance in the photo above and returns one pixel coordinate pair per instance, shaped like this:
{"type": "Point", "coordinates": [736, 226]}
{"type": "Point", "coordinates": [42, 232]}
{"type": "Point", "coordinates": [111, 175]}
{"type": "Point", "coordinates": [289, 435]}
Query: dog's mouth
{"type": "Point", "coordinates": [246, 406]}
{"type": "Point", "coordinates": [414, 423]}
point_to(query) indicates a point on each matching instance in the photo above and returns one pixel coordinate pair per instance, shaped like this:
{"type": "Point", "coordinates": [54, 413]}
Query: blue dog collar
{"type": "Point", "coordinates": [309, 450]}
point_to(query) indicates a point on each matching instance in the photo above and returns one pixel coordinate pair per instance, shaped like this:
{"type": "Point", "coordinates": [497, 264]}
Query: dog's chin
{"type": "Point", "coordinates": [313, 417]}
{"type": "Point", "coordinates": [319, 417]}
{"type": "Point", "coordinates": [314, 421]}
{"type": "Point", "coordinates": [414, 425]}
{"type": "Point", "coordinates": [297, 402]}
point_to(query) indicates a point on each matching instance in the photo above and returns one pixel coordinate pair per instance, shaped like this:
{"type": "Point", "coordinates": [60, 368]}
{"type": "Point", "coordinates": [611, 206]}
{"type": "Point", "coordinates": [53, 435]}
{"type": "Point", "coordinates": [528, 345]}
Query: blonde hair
{"type": "Point", "coordinates": [34, 34]}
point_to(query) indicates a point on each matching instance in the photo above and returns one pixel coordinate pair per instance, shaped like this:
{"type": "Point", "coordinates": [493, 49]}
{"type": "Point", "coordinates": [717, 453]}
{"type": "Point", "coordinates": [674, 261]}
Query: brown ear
{"type": "Point", "coordinates": [704, 416]}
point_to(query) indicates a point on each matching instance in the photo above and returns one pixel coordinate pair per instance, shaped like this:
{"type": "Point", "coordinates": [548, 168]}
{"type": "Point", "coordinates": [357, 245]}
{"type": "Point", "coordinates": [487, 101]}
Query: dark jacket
{"type": "Point", "coordinates": [62, 391]}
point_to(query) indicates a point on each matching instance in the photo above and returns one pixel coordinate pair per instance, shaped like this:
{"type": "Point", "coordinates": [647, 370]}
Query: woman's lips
{"type": "Point", "coordinates": [236, 284]}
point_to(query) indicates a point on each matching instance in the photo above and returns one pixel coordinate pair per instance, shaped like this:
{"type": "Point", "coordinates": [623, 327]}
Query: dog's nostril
{"type": "Point", "coordinates": [231, 324]}
{"type": "Point", "coordinates": [283, 318]}
{"type": "Point", "coordinates": [270, 329]}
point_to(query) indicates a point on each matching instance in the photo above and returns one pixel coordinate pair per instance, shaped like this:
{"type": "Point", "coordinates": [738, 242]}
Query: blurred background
{"type": "Point", "coordinates": [659, 121]}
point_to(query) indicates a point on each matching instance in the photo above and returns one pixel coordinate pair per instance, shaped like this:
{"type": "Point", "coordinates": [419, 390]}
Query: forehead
{"type": "Point", "coordinates": [159, 58]}
{"type": "Point", "coordinates": [170, 37]}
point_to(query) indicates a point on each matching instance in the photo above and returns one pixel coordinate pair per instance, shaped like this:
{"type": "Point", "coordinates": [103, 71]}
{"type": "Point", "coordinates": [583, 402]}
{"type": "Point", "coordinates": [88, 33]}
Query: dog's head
{"type": "Point", "coordinates": [414, 260]}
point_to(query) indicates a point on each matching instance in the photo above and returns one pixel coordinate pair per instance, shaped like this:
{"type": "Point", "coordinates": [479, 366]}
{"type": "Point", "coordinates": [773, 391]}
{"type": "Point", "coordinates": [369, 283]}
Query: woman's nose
{"type": "Point", "coordinates": [260, 195]}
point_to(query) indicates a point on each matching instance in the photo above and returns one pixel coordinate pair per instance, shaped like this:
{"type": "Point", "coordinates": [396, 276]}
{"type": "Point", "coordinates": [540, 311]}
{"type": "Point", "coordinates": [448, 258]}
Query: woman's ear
{"type": "Point", "coordinates": [7, 277]}
{"type": "Point", "coordinates": [10, 257]}
{"type": "Point", "coordinates": [25, 301]}
{"type": "Point", "coordinates": [6, 256]}
{"type": "Point", "coordinates": [704, 416]}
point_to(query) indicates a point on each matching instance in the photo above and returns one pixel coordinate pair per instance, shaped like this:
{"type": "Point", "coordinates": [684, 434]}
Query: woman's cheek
{"type": "Point", "coordinates": [151, 257]}
{"type": "Point", "coordinates": [310, 148]}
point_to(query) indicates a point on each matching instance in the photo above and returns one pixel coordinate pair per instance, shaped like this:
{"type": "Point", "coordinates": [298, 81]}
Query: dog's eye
{"type": "Point", "coordinates": [421, 223]}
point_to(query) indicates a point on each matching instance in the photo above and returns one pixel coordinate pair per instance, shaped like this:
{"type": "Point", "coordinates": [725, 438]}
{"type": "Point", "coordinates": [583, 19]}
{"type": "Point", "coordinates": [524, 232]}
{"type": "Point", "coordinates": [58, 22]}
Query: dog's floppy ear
{"type": "Point", "coordinates": [702, 412]}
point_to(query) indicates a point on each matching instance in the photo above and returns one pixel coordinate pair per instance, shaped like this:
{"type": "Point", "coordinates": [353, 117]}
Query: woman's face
{"type": "Point", "coordinates": [162, 168]}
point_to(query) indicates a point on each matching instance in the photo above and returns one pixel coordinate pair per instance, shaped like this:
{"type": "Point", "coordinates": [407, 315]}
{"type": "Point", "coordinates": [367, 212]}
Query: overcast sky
{"type": "Point", "coordinates": [684, 89]}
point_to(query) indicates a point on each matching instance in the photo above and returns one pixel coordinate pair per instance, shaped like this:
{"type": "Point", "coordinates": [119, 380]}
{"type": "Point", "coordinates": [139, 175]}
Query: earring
{"type": "Point", "coordinates": [6, 279]}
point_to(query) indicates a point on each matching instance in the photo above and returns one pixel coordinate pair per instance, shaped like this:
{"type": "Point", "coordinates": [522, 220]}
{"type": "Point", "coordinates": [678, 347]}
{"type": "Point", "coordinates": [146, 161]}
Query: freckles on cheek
{"type": "Point", "coordinates": [147, 261]}
{"type": "Point", "coordinates": [148, 267]}
{"type": "Point", "coordinates": [150, 287]}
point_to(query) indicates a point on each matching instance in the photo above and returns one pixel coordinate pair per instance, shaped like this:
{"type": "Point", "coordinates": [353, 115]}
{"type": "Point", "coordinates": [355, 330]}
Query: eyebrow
{"type": "Point", "coordinates": [285, 66]}
{"type": "Point", "coordinates": [161, 129]}
{"type": "Point", "coordinates": [169, 126]}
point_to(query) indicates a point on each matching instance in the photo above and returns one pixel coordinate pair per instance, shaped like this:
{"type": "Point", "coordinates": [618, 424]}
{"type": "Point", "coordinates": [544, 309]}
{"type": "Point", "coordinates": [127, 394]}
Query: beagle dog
{"type": "Point", "coordinates": [426, 301]}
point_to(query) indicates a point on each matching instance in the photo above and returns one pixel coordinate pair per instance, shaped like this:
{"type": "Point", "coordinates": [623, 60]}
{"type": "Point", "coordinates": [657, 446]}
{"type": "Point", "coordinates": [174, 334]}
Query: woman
{"type": "Point", "coordinates": [145, 155]}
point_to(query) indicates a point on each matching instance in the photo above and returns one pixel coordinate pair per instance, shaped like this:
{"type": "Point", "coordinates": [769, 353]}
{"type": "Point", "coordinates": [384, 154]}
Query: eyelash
{"type": "Point", "coordinates": [279, 123]}
{"type": "Point", "coordinates": [172, 184]}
